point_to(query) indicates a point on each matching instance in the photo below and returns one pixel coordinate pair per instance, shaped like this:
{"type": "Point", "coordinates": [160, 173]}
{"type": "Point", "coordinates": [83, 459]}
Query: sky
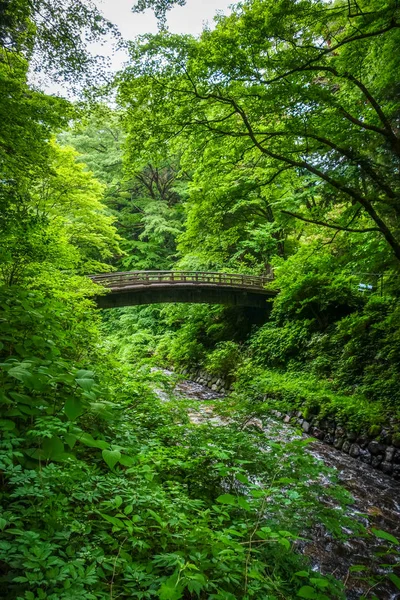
{"type": "Point", "coordinates": [181, 19]}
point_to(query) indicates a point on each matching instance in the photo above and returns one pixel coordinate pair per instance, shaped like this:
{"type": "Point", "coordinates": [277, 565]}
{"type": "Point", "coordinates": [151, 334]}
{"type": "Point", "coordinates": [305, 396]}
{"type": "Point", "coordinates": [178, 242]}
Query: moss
{"type": "Point", "coordinates": [375, 430]}
{"type": "Point", "coordinates": [396, 440]}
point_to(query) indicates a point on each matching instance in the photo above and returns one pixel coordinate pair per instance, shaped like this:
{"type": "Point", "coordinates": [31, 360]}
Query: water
{"type": "Point", "coordinates": [376, 504]}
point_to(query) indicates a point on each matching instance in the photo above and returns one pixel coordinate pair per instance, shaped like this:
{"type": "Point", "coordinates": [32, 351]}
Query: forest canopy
{"type": "Point", "coordinates": [267, 145]}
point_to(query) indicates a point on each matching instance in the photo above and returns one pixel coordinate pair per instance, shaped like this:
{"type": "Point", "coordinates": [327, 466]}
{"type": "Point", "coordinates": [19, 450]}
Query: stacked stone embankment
{"type": "Point", "coordinates": [379, 447]}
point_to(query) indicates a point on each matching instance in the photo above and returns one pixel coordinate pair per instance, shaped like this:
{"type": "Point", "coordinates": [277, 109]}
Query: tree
{"type": "Point", "coordinates": [160, 8]}
{"type": "Point", "coordinates": [305, 87]}
{"type": "Point", "coordinates": [145, 197]}
{"type": "Point", "coordinates": [55, 222]}
{"type": "Point", "coordinates": [53, 35]}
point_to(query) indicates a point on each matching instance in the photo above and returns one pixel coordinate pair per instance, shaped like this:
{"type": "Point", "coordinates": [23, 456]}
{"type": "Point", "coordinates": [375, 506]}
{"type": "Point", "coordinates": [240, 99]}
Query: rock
{"type": "Point", "coordinates": [389, 454]}
{"type": "Point", "coordinates": [396, 471]}
{"type": "Point", "coordinates": [396, 457]}
{"type": "Point", "coordinates": [376, 448]}
{"type": "Point", "coordinates": [376, 460]}
{"type": "Point", "coordinates": [346, 447]}
{"type": "Point", "coordinates": [340, 432]}
{"type": "Point", "coordinates": [286, 419]}
{"type": "Point", "coordinates": [365, 456]}
{"type": "Point", "coordinates": [214, 387]}
{"type": "Point", "coordinates": [254, 422]}
{"type": "Point", "coordinates": [362, 441]}
{"type": "Point", "coordinates": [354, 450]}
{"type": "Point", "coordinates": [386, 467]}
{"type": "Point", "coordinates": [375, 430]}
{"type": "Point", "coordinates": [386, 437]}
{"type": "Point", "coordinates": [396, 440]}
{"type": "Point", "coordinates": [300, 421]}
{"type": "Point", "coordinates": [328, 439]}
{"type": "Point", "coordinates": [223, 391]}
{"type": "Point", "coordinates": [331, 427]}
{"type": "Point", "coordinates": [338, 442]}
{"type": "Point", "coordinates": [299, 414]}
{"type": "Point", "coordinates": [317, 433]}
{"type": "Point", "coordinates": [351, 436]}
{"type": "Point", "coordinates": [306, 426]}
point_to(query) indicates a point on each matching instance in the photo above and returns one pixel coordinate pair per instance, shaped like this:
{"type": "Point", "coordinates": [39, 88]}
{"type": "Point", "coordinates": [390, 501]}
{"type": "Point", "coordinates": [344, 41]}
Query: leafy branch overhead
{"type": "Point", "coordinates": [291, 86]}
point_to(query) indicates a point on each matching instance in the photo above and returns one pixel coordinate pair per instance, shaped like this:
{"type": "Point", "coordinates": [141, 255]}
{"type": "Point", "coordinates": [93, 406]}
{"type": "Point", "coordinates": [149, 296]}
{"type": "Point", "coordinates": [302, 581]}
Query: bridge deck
{"type": "Point", "coordinates": [150, 287]}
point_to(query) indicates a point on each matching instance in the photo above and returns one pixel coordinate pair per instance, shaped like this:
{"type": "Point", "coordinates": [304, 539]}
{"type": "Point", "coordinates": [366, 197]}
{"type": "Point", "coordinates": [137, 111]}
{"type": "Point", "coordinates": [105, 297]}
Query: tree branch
{"type": "Point", "coordinates": [330, 225]}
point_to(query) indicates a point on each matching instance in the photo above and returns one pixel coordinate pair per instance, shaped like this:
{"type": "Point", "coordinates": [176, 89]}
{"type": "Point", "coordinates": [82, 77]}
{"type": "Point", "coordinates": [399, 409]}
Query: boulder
{"type": "Point", "coordinates": [351, 436]}
{"type": "Point", "coordinates": [354, 450]}
{"type": "Point", "coordinates": [396, 457]}
{"type": "Point", "coordinates": [389, 454]}
{"type": "Point", "coordinates": [362, 441]}
{"type": "Point", "coordinates": [338, 442]}
{"type": "Point", "coordinates": [396, 472]}
{"type": "Point", "coordinates": [306, 426]}
{"type": "Point", "coordinates": [376, 460]}
{"type": "Point", "coordinates": [386, 467]}
{"type": "Point", "coordinates": [331, 427]}
{"type": "Point", "coordinates": [365, 456]}
{"type": "Point", "coordinates": [317, 433]}
{"type": "Point", "coordinates": [346, 447]}
{"type": "Point", "coordinates": [328, 439]}
{"type": "Point", "coordinates": [396, 440]}
{"type": "Point", "coordinates": [376, 448]}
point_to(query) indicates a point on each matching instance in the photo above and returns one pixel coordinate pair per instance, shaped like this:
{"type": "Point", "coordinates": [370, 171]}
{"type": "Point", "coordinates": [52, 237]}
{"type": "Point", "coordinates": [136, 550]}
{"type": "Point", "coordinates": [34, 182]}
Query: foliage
{"type": "Point", "coordinates": [146, 199]}
{"type": "Point", "coordinates": [54, 36]}
{"type": "Point", "coordinates": [267, 144]}
{"type": "Point", "coordinates": [295, 89]}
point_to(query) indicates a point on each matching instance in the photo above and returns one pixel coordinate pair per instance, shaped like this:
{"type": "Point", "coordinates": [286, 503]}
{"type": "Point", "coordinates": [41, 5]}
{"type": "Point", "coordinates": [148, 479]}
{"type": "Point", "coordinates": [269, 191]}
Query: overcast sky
{"type": "Point", "coordinates": [181, 19]}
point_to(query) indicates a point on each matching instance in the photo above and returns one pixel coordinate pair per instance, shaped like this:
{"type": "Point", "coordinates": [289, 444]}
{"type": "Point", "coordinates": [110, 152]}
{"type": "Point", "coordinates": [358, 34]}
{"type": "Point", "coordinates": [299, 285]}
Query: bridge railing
{"type": "Point", "coordinates": [126, 279]}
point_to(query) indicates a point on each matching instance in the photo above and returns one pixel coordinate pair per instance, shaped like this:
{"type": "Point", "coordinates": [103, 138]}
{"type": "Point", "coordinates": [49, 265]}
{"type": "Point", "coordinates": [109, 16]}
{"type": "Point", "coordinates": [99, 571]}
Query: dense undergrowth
{"type": "Point", "coordinates": [107, 490]}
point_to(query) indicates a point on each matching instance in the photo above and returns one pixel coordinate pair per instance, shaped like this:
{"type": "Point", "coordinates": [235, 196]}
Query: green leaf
{"type": "Point", "coordinates": [307, 592]}
{"type": "Point", "coordinates": [3, 523]}
{"type": "Point", "coordinates": [118, 501]}
{"type": "Point", "coordinates": [385, 536]}
{"type": "Point", "coordinates": [111, 457]}
{"type": "Point", "coordinates": [52, 447]}
{"type": "Point", "coordinates": [85, 384]}
{"type": "Point", "coordinates": [358, 568]}
{"type": "Point", "coordinates": [84, 374]}
{"type": "Point", "coordinates": [242, 479]}
{"type": "Point", "coordinates": [7, 425]}
{"type": "Point", "coordinates": [302, 574]}
{"type": "Point", "coordinates": [395, 579]}
{"type": "Point", "coordinates": [126, 461]}
{"type": "Point", "coordinates": [88, 440]}
{"type": "Point", "coordinates": [113, 520]}
{"type": "Point", "coordinates": [71, 439]}
{"type": "Point", "coordinates": [73, 408]}
{"type": "Point", "coordinates": [243, 503]}
{"type": "Point", "coordinates": [226, 499]}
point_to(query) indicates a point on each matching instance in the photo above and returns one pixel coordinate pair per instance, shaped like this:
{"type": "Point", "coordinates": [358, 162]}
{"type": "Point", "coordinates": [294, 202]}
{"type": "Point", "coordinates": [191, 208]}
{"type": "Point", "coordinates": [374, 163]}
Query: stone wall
{"type": "Point", "coordinates": [380, 447]}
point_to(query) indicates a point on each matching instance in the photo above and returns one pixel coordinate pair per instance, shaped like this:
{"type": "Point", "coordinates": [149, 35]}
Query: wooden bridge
{"type": "Point", "coordinates": [154, 287]}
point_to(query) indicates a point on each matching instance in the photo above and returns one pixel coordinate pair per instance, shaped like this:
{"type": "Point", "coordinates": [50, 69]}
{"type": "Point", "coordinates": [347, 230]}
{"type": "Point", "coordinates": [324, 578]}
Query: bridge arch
{"type": "Point", "coordinates": [132, 288]}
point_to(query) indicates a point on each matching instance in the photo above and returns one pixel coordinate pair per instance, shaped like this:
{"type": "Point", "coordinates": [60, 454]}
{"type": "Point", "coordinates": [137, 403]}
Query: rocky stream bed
{"type": "Point", "coordinates": [376, 503]}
